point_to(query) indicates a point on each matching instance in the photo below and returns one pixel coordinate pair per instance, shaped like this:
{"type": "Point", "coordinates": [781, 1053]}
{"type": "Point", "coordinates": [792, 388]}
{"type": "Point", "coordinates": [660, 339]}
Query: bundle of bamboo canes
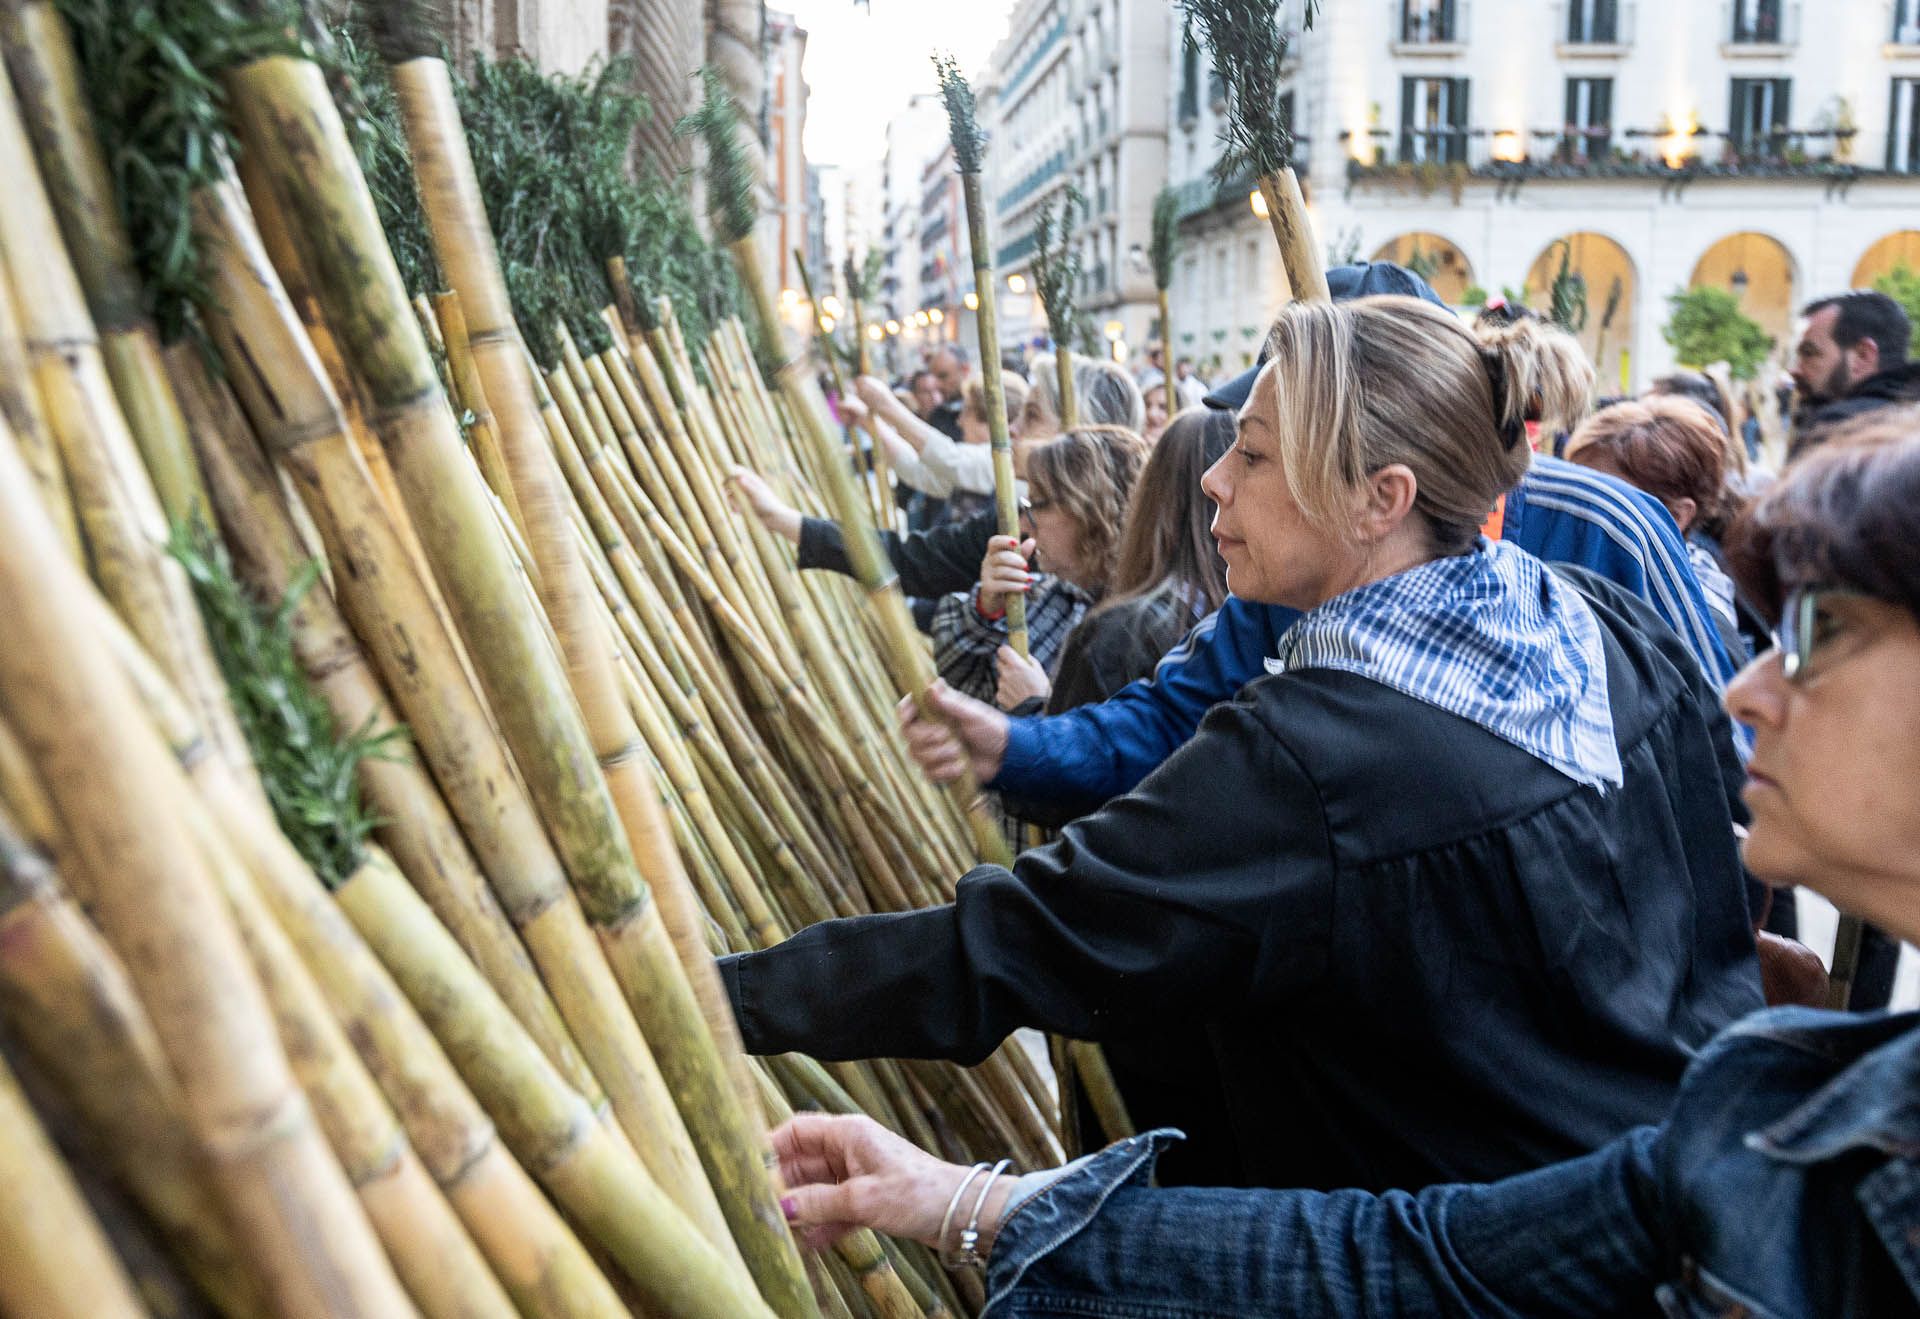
{"type": "Point", "coordinates": [396, 719]}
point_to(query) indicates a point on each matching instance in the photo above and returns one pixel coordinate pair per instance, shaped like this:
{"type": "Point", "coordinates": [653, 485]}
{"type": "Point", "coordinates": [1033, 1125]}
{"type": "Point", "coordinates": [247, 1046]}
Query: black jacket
{"type": "Point", "coordinates": [1889, 388]}
{"type": "Point", "coordinates": [1422, 955]}
{"type": "Point", "coordinates": [935, 562]}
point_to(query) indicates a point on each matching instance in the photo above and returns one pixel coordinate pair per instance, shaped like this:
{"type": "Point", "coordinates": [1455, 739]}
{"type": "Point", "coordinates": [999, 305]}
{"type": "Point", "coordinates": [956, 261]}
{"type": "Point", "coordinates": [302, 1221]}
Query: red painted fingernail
{"type": "Point", "coordinates": [789, 1207]}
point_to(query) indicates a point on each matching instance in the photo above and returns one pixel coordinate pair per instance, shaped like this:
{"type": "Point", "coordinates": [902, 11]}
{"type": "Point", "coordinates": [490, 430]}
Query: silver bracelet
{"type": "Point", "coordinates": [946, 1222]}
{"type": "Point", "coordinates": [968, 1256]}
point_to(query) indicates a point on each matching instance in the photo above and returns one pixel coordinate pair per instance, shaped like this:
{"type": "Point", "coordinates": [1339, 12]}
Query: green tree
{"type": "Point", "coordinates": [1706, 325]}
{"type": "Point", "coordinates": [1902, 284]}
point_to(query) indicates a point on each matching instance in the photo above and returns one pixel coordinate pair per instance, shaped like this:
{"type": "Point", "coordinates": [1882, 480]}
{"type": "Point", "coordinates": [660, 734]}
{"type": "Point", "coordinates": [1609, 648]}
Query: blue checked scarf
{"type": "Point", "coordinates": [1489, 635]}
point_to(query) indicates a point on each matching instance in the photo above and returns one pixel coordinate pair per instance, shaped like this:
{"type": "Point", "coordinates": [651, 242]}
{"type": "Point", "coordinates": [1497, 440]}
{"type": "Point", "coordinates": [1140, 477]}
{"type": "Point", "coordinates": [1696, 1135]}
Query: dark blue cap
{"type": "Point", "coordinates": [1361, 279]}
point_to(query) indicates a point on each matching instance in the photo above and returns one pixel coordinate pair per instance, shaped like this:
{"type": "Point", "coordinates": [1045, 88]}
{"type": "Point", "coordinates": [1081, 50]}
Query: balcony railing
{"type": "Point", "coordinates": [1575, 151]}
{"type": "Point", "coordinates": [1598, 23]}
{"type": "Point", "coordinates": [1196, 196]}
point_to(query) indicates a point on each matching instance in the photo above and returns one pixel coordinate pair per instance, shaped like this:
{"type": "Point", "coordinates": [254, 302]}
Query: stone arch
{"type": "Point", "coordinates": [1759, 270]}
{"type": "Point", "coordinates": [1899, 248]}
{"type": "Point", "coordinates": [1611, 302]}
{"type": "Point", "coordinates": [1438, 259]}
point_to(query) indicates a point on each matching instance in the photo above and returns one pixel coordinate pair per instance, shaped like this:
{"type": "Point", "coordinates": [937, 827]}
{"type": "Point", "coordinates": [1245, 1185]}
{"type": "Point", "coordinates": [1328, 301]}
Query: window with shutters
{"type": "Point", "coordinates": [1756, 22]}
{"type": "Point", "coordinates": [1906, 22]}
{"type": "Point", "coordinates": [1593, 22]}
{"type": "Point", "coordinates": [1589, 121]}
{"type": "Point", "coordinates": [1189, 80]}
{"type": "Point", "coordinates": [1903, 127]}
{"type": "Point", "coordinates": [1757, 116]}
{"type": "Point", "coordinates": [1433, 120]}
{"type": "Point", "coordinates": [1427, 22]}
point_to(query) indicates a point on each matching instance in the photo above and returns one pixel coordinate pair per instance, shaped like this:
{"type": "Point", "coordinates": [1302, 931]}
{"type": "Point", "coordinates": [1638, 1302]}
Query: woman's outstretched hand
{"type": "Point", "coordinates": [958, 733]}
{"type": "Point", "coordinates": [848, 1172]}
{"type": "Point", "coordinates": [755, 496]}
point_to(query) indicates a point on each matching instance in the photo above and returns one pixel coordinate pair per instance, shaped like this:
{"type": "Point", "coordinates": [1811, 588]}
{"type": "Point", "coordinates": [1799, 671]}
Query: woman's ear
{"type": "Point", "coordinates": [1387, 500]}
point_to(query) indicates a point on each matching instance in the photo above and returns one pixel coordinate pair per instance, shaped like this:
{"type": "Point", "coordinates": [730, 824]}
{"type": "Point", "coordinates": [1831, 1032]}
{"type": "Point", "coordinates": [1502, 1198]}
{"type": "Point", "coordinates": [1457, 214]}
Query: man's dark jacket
{"type": "Point", "coordinates": [1421, 954]}
{"type": "Point", "coordinates": [1889, 388]}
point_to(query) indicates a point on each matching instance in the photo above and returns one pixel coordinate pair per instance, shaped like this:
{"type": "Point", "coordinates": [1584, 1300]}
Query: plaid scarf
{"type": "Point", "coordinates": [1489, 635]}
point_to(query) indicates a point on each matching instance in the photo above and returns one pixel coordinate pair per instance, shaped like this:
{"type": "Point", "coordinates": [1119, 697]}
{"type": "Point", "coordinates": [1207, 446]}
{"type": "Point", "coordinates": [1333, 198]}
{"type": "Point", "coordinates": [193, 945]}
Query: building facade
{"type": "Point", "coordinates": [1770, 147]}
{"type": "Point", "coordinates": [1074, 98]}
{"type": "Point", "coordinates": [787, 222]}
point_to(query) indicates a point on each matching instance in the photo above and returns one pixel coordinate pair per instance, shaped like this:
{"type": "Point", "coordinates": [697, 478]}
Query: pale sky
{"type": "Point", "coordinates": [861, 67]}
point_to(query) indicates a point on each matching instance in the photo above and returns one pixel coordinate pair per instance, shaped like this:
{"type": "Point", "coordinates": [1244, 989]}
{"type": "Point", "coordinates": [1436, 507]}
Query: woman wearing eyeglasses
{"type": "Point", "coordinates": [1785, 1180]}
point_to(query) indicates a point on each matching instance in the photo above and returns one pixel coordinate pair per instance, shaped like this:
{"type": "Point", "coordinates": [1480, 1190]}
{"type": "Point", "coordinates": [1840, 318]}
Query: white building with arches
{"type": "Point", "coordinates": [1770, 147]}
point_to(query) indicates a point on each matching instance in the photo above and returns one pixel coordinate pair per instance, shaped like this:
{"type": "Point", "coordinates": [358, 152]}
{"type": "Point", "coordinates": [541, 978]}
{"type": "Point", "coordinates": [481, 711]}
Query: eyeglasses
{"type": "Point", "coordinates": [1806, 624]}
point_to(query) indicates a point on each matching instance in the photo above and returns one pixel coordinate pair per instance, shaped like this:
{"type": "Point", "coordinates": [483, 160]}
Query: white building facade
{"type": "Point", "coordinates": [1771, 147]}
{"type": "Point", "coordinates": [1075, 98]}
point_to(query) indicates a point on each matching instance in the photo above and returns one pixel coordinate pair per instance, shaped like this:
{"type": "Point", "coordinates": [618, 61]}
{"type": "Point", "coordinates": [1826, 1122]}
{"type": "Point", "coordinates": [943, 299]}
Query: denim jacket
{"type": "Point", "coordinates": [1785, 1182]}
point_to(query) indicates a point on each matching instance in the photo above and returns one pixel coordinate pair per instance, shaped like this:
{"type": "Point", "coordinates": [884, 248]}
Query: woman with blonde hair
{"type": "Point", "coordinates": [1453, 886]}
{"type": "Point", "coordinates": [960, 472]}
{"type": "Point", "coordinates": [1781, 1181]}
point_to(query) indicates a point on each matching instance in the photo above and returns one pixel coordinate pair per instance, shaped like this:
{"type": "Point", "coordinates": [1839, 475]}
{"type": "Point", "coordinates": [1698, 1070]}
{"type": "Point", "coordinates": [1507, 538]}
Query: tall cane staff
{"type": "Point", "coordinates": [823, 339]}
{"type": "Point", "coordinates": [1248, 48]}
{"type": "Point", "coordinates": [730, 193]}
{"type": "Point", "coordinates": [860, 280]}
{"type": "Point", "coordinates": [1162, 244]}
{"type": "Point", "coordinates": [969, 146]}
{"type": "Point", "coordinates": [1056, 269]}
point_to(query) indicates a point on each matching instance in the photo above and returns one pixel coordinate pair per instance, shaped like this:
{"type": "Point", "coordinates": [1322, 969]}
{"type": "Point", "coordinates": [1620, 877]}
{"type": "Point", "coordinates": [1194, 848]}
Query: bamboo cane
{"type": "Point", "coordinates": [306, 154]}
{"type": "Point", "coordinates": [589, 815]}
{"type": "Point", "coordinates": [969, 146]}
{"type": "Point", "coordinates": [1162, 246]}
{"type": "Point", "coordinates": [858, 280]}
{"type": "Point", "coordinates": [117, 791]}
{"type": "Point", "coordinates": [436, 1260]}
{"type": "Point", "coordinates": [552, 1131]}
{"type": "Point", "coordinates": [54, 1259]}
{"type": "Point", "coordinates": [66, 996]}
{"type": "Point", "coordinates": [390, 606]}
{"type": "Point", "coordinates": [871, 467]}
{"type": "Point", "coordinates": [119, 514]}
{"type": "Point", "coordinates": [1249, 51]}
{"type": "Point", "coordinates": [46, 76]}
{"type": "Point", "coordinates": [20, 408]}
{"type": "Point", "coordinates": [481, 431]}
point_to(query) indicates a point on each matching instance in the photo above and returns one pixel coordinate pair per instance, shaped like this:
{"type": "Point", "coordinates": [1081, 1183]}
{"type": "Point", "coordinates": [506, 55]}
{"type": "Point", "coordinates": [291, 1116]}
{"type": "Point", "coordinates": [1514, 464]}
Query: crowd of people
{"type": "Point", "coordinates": [1427, 748]}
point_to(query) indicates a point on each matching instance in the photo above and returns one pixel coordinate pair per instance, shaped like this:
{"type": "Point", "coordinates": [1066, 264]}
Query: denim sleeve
{"type": "Point", "coordinates": [1100, 1243]}
{"type": "Point", "coordinates": [1087, 755]}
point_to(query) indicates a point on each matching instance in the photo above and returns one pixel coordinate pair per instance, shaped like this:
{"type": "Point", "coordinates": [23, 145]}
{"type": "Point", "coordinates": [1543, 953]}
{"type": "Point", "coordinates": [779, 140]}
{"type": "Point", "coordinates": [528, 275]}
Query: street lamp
{"type": "Point", "coordinates": [921, 319]}
{"type": "Point", "coordinates": [875, 333]}
{"type": "Point", "coordinates": [827, 323]}
{"type": "Point", "coordinates": [936, 315]}
{"type": "Point", "coordinates": [972, 300]}
{"type": "Point", "coordinates": [1114, 329]}
{"type": "Point", "coordinates": [893, 327]}
{"type": "Point", "coordinates": [1016, 282]}
{"type": "Point", "coordinates": [831, 305]}
{"type": "Point", "coordinates": [1258, 200]}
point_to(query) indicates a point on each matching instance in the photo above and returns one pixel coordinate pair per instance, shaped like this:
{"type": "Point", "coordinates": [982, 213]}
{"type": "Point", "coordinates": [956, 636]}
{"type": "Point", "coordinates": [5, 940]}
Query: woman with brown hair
{"type": "Point", "coordinates": [1078, 485]}
{"type": "Point", "coordinates": [1166, 577]}
{"type": "Point", "coordinates": [1670, 447]}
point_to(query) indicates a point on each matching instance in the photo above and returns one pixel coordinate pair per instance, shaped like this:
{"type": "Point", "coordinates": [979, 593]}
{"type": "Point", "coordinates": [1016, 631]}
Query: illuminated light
{"type": "Point", "coordinates": [936, 315]}
{"type": "Point", "coordinates": [789, 298]}
{"type": "Point", "coordinates": [827, 323]}
{"type": "Point", "coordinates": [893, 327]}
{"type": "Point", "coordinates": [1017, 282]}
{"type": "Point", "coordinates": [1120, 351]}
{"type": "Point", "coordinates": [831, 306]}
{"type": "Point", "coordinates": [1676, 148]}
{"type": "Point", "coordinates": [972, 300]}
{"type": "Point", "coordinates": [875, 333]}
{"type": "Point", "coordinates": [1114, 329]}
{"type": "Point", "coordinates": [1258, 200]}
{"type": "Point", "coordinates": [1507, 146]}
{"type": "Point", "coordinates": [921, 319]}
